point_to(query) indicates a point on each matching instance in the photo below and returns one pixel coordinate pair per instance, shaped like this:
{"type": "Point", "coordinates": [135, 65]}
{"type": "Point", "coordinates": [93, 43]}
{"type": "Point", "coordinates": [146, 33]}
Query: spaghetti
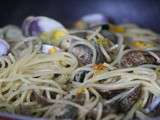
{"type": "Point", "coordinates": [85, 80]}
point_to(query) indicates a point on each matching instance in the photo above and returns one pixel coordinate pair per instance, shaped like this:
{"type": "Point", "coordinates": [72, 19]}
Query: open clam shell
{"type": "Point", "coordinates": [91, 20]}
{"type": "Point", "coordinates": [4, 47]}
{"type": "Point", "coordinates": [83, 52]}
{"type": "Point", "coordinates": [137, 57]}
{"type": "Point", "coordinates": [153, 108]}
{"type": "Point", "coordinates": [126, 103]}
{"type": "Point", "coordinates": [33, 26]}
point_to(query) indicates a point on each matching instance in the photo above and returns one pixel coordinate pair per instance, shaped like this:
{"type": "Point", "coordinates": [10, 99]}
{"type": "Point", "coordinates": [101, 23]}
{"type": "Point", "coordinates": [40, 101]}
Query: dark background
{"type": "Point", "coordinates": [143, 12]}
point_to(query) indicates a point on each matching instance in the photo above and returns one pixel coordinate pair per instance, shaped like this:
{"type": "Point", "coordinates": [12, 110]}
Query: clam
{"type": "Point", "coordinates": [153, 108]}
{"type": "Point", "coordinates": [80, 75]}
{"type": "Point", "coordinates": [67, 43]}
{"type": "Point", "coordinates": [125, 103]}
{"type": "Point", "coordinates": [91, 20]}
{"type": "Point", "coordinates": [136, 57]}
{"type": "Point", "coordinates": [100, 56]}
{"type": "Point", "coordinates": [93, 113]}
{"type": "Point", "coordinates": [109, 43]}
{"type": "Point", "coordinates": [4, 47]}
{"type": "Point", "coordinates": [81, 34]}
{"type": "Point", "coordinates": [68, 113]}
{"type": "Point", "coordinates": [83, 53]}
{"type": "Point", "coordinates": [106, 95]}
{"type": "Point", "coordinates": [40, 99]}
{"type": "Point", "coordinates": [33, 26]}
{"type": "Point", "coordinates": [142, 116]}
{"type": "Point", "coordinates": [12, 33]}
{"type": "Point", "coordinates": [109, 35]}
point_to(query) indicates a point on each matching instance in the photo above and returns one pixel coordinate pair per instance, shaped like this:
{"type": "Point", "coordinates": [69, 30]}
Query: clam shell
{"type": "Point", "coordinates": [80, 75]}
{"type": "Point", "coordinates": [136, 57]}
{"type": "Point", "coordinates": [83, 53]}
{"type": "Point", "coordinates": [100, 57]}
{"type": "Point", "coordinates": [68, 113]}
{"type": "Point", "coordinates": [127, 102]}
{"type": "Point", "coordinates": [109, 35]}
{"type": "Point", "coordinates": [153, 108]}
{"type": "Point", "coordinates": [91, 20]}
{"type": "Point", "coordinates": [67, 43]}
{"type": "Point", "coordinates": [13, 33]}
{"type": "Point", "coordinates": [33, 26]}
{"type": "Point", "coordinates": [4, 47]}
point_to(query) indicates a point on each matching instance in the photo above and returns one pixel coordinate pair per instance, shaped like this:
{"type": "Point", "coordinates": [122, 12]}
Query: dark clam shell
{"type": "Point", "coordinates": [40, 99]}
{"type": "Point", "coordinates": [100, 57]}
{"type": "Point", "coordinates": [93, 113]}
{"type": "Point", "coordinates": [83, 53]}
{"type": "Point", "coordinates": [107, 44]}
{"type": "Point", "coordinates": [68, 113]}
{"type": "Point", "coordinates": [80, 75]}
{"type": "Point", "coordinates": [81, 34]}
{"type": "Point", "coordinates": [135, 58]}
{"type": "Point", "coordinates": [110, 94]}
{"type": "Point", "coordinates": [153, 108]}
{"type": "Point", "coordinates": [109, 35]}
{"type": "Point", "coordinates": [126, 103]}
{"type": "Point", "coordinates": [34, 28]}
{"type": "Point", "coordinates": [142, 116]}
{"type": "Point", "coordinates": [110, 39]}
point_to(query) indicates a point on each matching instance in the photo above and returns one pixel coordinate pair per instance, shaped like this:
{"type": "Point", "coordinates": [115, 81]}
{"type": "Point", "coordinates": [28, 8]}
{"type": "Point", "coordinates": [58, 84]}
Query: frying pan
{"type": "Point", "coordinates": [145, 13]}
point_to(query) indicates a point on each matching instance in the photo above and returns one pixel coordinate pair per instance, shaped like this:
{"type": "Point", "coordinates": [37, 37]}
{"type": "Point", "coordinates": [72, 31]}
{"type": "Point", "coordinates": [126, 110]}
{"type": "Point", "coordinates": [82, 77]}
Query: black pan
{"type": "Point", "coordinates": [146, 13]}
